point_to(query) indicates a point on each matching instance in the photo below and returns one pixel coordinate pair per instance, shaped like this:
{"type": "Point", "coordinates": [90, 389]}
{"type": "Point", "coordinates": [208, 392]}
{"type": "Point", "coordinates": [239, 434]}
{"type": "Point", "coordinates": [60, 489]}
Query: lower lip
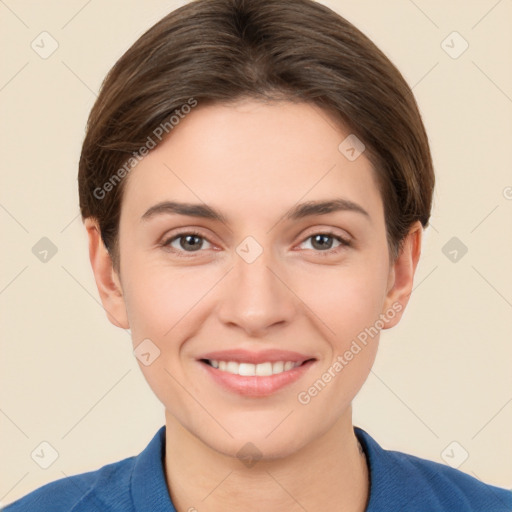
{"type": "Point", "coordinates": [256, 385]}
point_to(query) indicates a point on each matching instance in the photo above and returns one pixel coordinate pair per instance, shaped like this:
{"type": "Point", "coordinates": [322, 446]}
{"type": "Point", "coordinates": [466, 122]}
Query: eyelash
{"type": "Point", "coordinates": [181, 254]}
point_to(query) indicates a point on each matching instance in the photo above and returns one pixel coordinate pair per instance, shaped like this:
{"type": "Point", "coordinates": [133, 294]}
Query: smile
{"type": "Point", "coordinates": [259, 379]}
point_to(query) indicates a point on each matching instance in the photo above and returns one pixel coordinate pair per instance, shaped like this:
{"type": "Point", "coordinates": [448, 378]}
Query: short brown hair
{"type": "Point", "coordinates": [223, 50]}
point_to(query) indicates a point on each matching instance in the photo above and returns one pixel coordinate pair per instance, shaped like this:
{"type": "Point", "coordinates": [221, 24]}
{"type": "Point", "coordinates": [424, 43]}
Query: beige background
{"type": "Point", "coordinates": [68, 376]}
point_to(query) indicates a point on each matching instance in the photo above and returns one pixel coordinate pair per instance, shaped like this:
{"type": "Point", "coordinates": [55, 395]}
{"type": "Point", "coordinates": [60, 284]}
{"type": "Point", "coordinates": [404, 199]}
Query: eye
{"type": "Point", "coordinates": [192, 242]}
{"type": "Point", "coordinates": [322, 243]}
{"type": "Point", "coordinates": [185, 242]}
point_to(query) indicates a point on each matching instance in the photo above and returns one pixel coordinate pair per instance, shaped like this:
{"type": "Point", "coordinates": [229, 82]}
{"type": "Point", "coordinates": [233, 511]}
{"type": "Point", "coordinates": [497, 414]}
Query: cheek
{"type": "Point", "coordinates": [347, 302]}
{"type": "Point", "coordinates": [347, 306]}
{"type": "Point", "coordinates": [157, 303]}
{"type": "Point", "coordinates": [345, 299]}
{"type": "Point", "coordinates": [158, 298]}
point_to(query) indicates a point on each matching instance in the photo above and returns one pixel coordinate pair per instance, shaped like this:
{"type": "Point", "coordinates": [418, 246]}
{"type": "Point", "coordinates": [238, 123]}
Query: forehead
{"type": "Point", "coordinates": [255, 157]}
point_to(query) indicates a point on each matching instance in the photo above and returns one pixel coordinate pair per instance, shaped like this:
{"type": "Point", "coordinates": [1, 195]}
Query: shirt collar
{"type": "Point", "coordinates": [385, 472]}
{"type": "Point", "coordinates": [148, 483]}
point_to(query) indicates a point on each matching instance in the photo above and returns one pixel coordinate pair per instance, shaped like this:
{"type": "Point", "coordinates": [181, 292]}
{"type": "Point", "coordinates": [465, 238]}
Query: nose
{"type": "Point", "coordinates": [256, 296]}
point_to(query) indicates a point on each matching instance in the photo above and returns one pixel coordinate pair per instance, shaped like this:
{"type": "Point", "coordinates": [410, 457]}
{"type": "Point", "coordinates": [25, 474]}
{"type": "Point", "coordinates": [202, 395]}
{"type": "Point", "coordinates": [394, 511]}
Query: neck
{"type": "Point", "coordinates": [329, 474]}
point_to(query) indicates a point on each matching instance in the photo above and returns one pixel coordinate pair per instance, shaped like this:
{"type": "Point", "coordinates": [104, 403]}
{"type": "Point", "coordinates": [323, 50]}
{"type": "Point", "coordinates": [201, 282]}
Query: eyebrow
{"type": "Point", "coordinates": [300, 211]}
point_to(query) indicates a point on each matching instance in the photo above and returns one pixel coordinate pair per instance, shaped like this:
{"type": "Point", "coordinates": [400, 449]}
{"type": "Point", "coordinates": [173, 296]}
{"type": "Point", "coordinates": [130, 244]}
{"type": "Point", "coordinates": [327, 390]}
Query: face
{"type": "Point", "coordinates": [260, 306]}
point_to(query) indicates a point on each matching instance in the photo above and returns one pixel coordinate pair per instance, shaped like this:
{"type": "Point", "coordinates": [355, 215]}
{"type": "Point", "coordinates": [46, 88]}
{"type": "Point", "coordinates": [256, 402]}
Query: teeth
{"type": "Point", "coordinates": [250, 370]}
{"type": "Point", "coordinates": [263, 369]}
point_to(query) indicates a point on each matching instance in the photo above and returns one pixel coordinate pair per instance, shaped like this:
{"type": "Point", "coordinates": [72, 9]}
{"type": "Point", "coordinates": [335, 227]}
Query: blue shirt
{"type": "Point", "coordinates": [399, 482]}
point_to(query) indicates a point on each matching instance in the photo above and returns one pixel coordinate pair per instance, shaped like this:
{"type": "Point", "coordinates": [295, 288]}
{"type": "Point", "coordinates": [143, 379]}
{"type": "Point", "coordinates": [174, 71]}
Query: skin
{"type": "Point", "coordinates": [253, 161]}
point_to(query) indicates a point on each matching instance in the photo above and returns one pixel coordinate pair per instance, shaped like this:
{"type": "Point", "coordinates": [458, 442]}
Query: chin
{"type": "Point", "coordinates": [257, 443]}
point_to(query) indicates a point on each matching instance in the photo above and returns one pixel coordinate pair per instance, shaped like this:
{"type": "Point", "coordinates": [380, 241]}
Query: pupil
{"type": "Point", "coordinates": [191, 245]}
{"type": "Point", "coordinates": [322, 246]}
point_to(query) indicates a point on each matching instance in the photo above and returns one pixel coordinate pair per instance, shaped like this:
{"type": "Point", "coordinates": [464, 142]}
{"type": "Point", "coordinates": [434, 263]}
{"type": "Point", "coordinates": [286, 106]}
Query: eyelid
{"type": "Point", "coordinates": [331, 231]}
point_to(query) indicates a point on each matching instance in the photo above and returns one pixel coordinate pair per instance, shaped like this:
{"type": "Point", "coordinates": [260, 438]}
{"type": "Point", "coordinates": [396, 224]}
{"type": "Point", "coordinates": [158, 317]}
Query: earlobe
{"type": "Point", "coordinates": [401, 276]}
{"type": "Point", "coordinates": [107, 280]}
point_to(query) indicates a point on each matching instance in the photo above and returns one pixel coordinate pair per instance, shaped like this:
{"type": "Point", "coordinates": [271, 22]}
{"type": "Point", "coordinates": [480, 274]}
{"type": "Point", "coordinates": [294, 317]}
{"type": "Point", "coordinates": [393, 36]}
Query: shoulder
{"type": "Point", "coordinates": [123, 486]}
{"type": "Point", "coordinates": [104, 489]}
{"type": "Point", "coordinates": [449, 488]}
{"type": "Point", "coordinates": [412, 483]}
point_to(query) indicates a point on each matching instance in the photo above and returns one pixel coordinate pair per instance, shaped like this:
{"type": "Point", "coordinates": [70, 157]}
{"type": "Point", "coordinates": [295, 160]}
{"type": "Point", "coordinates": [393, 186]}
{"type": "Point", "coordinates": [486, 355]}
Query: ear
{"type": "Point", "coordinates": [107, 280]}
{"type": "Point", "coordinates": [401, 276]}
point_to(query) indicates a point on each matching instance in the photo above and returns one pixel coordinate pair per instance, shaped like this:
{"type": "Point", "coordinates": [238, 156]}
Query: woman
{"type": "Point", "coordinates": [254, 182]}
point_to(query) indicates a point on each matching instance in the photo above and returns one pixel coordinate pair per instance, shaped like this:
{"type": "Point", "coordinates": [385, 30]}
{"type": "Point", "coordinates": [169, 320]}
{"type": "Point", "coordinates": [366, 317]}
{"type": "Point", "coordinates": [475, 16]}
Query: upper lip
{"type": "Point", "coordinates": [246, 356]}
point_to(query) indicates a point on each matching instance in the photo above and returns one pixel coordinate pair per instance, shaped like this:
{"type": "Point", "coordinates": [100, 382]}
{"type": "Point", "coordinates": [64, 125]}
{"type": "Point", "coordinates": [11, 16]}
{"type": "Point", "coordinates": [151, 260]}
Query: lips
{"type": "Point", "coordinates": [247, 373]}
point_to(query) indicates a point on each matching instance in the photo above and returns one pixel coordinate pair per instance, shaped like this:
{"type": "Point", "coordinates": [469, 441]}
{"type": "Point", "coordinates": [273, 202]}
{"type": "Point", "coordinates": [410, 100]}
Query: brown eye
{"type": "Point", "coordinates": [323, 242]}
{"type": "Point", "coordinates": [185, 242]}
